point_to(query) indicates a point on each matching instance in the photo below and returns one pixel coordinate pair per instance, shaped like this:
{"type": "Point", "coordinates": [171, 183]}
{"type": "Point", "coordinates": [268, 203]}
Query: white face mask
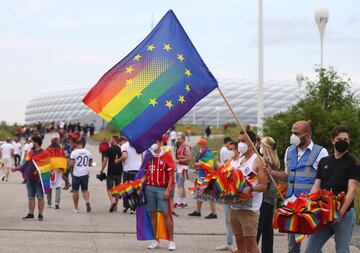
{"type": "Point", "coordinates": [243, 147]}
{"type": "Point", "coordinates": [261, 151]}
{"type": "Point", "coordinates": [231, 153]}
{"type": "Point", "coordinates": [155, 147]}
{"type": "Point", "coordinates": [295, 140]}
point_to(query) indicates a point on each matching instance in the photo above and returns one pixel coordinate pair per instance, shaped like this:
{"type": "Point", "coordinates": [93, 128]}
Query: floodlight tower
{"type": "Point", "coordinates": [321, 18]}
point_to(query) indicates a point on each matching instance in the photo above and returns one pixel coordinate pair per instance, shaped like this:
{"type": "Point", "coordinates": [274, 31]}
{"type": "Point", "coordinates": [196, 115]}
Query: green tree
{"type": "Point", "coordinates": [328, 101]}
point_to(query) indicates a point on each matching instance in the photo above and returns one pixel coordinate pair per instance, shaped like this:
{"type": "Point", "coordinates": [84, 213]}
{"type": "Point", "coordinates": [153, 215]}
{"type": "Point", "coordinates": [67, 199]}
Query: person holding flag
{"type": "Point", "coordinates": [159, 182]}
{"type": "Point", "coordinates": [36, 169]}
{"type": "Point", "coordinates": [205, 165]}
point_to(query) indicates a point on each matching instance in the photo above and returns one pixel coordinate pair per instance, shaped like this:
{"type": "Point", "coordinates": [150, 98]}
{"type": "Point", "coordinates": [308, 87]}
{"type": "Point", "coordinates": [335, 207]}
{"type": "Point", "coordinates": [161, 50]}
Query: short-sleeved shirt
{"type": "Point", "coordinates": [17, 148]}
{"type": "Point", "coordinates": [224, 155]}
{"type": "Point", "coordinates": [82, 159]}
{"type": "Point", "coordinates": [336, 173]}
{"type": "Point", "coordinates": [134, 160]}
{"type": "Point", "coordinates": [114, 152]}
{"type": "Point", "coordinates": [6, 150]}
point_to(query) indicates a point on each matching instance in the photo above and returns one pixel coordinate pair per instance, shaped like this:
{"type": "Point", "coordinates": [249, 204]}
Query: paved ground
{"type": "Point", "coordinates": [100, 231]}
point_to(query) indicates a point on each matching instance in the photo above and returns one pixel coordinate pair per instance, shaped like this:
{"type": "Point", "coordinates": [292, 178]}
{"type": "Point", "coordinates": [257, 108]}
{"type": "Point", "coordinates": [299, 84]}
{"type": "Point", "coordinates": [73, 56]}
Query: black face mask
{"type": "Point", "coordinates": [341, 146]}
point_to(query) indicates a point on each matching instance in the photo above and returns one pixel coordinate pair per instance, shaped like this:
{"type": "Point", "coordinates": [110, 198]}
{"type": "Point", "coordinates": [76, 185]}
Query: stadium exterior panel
{"type": "Point", "coordinates": [66, 105]}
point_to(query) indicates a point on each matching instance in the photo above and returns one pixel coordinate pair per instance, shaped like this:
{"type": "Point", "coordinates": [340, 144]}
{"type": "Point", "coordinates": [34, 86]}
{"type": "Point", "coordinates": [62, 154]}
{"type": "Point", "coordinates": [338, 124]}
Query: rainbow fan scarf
{"type": "Point", "coordinates": [58, 159]}
{"type": "Point", "coordinates": [41, 160]}
{"type": "Point", "coordinates": [308, 213]}
{"type": "Point", "coordinates": [206, 162]}
{"type": "Point", "coordinates": [224, 185]}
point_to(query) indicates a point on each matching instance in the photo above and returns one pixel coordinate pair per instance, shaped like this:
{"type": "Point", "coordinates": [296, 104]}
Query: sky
{"type": "Point", "coordinates": [51, 45]}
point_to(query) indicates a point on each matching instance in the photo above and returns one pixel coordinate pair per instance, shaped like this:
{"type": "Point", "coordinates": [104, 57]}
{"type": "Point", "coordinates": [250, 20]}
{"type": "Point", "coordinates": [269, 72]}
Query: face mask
{"type": "Point", "coordinates": [295, 140]}
{"type": "Point", "coordinates": [231, 153]}
{"type": "Point", "coordinates": [155, 147]}
{"type": "Point", "coordinates": [341, 146]}
{"type": "Point", "coordinates": [243, 147]}
{"type": "Point", "coordinates": [261, 151]}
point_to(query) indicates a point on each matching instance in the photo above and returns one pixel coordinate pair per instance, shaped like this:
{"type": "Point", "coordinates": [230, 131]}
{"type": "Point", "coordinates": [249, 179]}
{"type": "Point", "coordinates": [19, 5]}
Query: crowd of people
{"type": "Point", "coordinates": [308, 168]}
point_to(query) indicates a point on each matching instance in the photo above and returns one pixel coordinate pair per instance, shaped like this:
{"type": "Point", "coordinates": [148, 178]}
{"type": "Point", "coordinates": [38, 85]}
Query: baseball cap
{"type": "Point", "coordinates": [202, 142]}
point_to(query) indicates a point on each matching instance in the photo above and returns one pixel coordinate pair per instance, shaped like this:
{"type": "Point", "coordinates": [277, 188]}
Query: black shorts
{"type": "Point", "coordinates": [112, 181]}
{"type": "Point", "coordinates": [82, 181]}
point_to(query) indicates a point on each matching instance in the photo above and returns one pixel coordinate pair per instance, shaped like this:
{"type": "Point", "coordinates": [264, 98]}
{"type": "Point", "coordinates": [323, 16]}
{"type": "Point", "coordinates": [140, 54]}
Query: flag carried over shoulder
{"type": "Point", "coordinates": [154, 86]}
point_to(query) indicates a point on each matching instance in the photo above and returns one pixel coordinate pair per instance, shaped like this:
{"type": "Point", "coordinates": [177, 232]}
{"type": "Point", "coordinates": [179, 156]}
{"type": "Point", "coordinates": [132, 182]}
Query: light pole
{"type": "Point", "coordinates": [217, 109]}
{"type": "Point", "coordinates": [299, 79]}
{"type": "Point", "coordinates": [260, 95]}
{"type": "Point", "coordinates": [321, 18]}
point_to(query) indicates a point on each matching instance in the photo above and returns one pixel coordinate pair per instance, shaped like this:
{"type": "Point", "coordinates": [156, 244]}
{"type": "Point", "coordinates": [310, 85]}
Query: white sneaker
{"type": "Point", "coordinates": [223, 247]}
{"type": "Point", "coordinates": [172, 246]}
{"type": "Point", "coordinates": [75, 210]}
{"type": "Point", "coordinates": [48, 205]}
{"type": "Point", "coordinates": [154, 245]}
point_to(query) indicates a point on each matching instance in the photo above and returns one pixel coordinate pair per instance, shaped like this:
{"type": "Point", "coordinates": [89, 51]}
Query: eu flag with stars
{"type": "Point", "coordinates": [154, 86]}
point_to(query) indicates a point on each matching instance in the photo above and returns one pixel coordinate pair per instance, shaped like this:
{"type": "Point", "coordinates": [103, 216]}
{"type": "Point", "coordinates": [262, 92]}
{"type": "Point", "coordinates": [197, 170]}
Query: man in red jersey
{"type": "Point", "coordinates": [159, 180]}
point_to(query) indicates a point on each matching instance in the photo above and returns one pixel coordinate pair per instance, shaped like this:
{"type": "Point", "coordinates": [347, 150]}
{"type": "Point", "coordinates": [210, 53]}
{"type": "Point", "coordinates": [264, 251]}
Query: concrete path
{"type": "Point", "coordinates": [101, 231]}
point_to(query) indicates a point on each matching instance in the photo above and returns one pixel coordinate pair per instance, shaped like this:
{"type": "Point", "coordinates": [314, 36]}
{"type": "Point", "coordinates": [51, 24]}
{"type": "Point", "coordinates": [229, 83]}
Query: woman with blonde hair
{"type": "Point", "coordinates": [265, 229]}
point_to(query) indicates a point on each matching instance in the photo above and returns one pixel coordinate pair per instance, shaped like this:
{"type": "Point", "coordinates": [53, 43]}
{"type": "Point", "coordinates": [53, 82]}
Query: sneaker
{"type": "Point", "coordinates": [3, 178]}
{"type": "Point", "coordinates": [57, 206]}
{"type": "Point", "coordinates": [67, 187]}
{"type": "Point", "coordinates": [211, 216]}
{"type": "Point", "coordinates": [223, 247]}
{"type": "Point", "coordinates": [125, 210]}
{"type": "Point", "coordinates": [172, 246]}
{"type": "Point", "coordinates": [112, 208]}
{"type": "Point", "coordinates": [175, 214]}
{"type": "Point", "coordinates": [183, 205]}
{"type": "Point", "coordinates": [195, 213]}
{"type": "Point", "coordinates": [154, 245]}
{"type": "Point", "coordinates": [75, 210]}
{"type": "Point", "coordinates": [88, 208]}
{"type": "Point", "coordinates": [177, 205]}
{"type": "Point", "coordinates": [24, 182]}
{"type": "Point", "coordinates": [28, 216]}
{"type": "Point", "coordinates": [40, 217]}
{"type": "Point", "coordinates": [48, 205]}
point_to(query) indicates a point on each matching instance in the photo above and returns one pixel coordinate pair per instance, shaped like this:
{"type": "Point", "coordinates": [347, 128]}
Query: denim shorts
{"type": "Point", "coordinates": [34, 188]}
{"type": "Point", "coordinates": [82, 181]}
{"type": "Point", "coordinates": [180, 179]}
{"type": "Point", "coordinates": [154, 199]}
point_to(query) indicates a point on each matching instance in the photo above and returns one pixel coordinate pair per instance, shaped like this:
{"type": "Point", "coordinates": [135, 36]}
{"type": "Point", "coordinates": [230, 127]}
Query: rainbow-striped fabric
{"type": "Point", "coordinates": [206, 162]}
{"type": "Point", "coordinates": [41, 160]}
{"type": "Point", "coordinates": [58, 159]}
{"type": "Point", "coordinates": [154, 86]}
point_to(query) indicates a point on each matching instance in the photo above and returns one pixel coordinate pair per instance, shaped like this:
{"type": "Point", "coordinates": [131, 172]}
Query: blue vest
{"type": "Point", "coordinates": [301, 174]}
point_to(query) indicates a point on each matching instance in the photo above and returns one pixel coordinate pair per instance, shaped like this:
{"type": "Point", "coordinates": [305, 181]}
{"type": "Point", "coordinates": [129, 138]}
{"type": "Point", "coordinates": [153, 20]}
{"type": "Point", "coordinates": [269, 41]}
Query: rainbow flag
{"type": "Point", "coordinates": [57, 158]}
{"type": "Point", "coordinates": [144, 229]}
{"type": "Point", "coordinates": [154, 86]}
{"type": "Point", "coordinates": [41, 160]}
{"type": "Point", "coordinates": [207, 162]}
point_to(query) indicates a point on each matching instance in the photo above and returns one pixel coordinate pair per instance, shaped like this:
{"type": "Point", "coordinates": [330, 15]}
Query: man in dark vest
{"type": "Point", "coordinates": [301, 161]}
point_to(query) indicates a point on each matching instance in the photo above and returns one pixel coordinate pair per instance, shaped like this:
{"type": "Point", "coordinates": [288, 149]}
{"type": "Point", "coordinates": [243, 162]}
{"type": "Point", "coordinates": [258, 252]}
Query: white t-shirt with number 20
{"type": "Point", "coordinates": [82, 159]}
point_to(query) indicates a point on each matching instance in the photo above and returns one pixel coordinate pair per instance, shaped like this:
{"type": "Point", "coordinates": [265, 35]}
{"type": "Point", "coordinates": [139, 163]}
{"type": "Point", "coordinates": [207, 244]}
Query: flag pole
{"type": "Point", "coordinates": [251, 143]}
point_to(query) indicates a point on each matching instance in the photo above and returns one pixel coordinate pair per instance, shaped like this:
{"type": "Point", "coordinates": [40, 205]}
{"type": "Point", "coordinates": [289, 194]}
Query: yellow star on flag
{"type": "Point", "coordinates": [180, 57]}
{"type": "Point", "coordinates": [187, 72]}
{"type": "Point", "coordinates": [138, 94]}
{"type": "Point", "coordinates": [167, 47]}
{"type": "Point", "coordinates": [137, 57]}
{"type": "Point", "coordinates": [129, 81]}
{"type": "Point", "coordinates": [181, 99]}
{"type": "Point", "coordinates": [187, 87]}
{"type": "Point", "coordinates": [153, 101]}
{"type": "Point", "coordinates": [169, 104]}
{"type": "Point", "coordinates": [150, 47]}
{"type": "Point", "coordinates": [129, 69]}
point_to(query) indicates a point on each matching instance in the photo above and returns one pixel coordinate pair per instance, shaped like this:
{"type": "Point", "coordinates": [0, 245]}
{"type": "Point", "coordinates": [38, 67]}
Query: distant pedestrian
{"type": "Point", "coordinates": [207, 132]}
{"type": "Point", "coordinates": [17, 151]}
{"type": "Point", "coordinates": [114, 170]}
{"type": "Point", "coordinates": [6, 152]}
{"type": "Point", "coordinates": [80, 160]}
{"type": "Point", "coordinates": [173, 136]}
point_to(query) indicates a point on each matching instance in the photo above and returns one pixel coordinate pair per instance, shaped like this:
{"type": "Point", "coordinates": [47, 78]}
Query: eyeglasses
{"type": "Point", "coordinates": [231, 149]}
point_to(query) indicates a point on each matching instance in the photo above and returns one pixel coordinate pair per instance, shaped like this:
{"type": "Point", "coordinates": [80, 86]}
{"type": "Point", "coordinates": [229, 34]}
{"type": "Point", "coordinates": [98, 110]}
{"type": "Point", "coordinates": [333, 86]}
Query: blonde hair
{"type": "Point", "coordinates": [269, 152]}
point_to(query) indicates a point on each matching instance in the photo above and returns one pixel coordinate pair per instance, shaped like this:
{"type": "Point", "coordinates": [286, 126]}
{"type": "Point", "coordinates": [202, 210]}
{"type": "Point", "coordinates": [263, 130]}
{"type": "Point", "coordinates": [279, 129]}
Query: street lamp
{"type": "Point", "coordinates": [260, 95]}
{"type": "Point", "coordinates": [299, 79]}
{"type": "Point", "coordinates": [321, 18]}
{"type": "Point", "coordinates": [217, 109]}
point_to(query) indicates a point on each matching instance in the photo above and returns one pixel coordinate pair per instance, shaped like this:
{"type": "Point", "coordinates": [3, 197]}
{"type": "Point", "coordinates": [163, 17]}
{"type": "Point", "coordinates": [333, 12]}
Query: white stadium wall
{"type": "Point", "coordinates": [67, 105]}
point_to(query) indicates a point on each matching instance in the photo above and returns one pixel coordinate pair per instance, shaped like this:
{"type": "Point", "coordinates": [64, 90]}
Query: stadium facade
{"type": "Point", "coordinates": [67, 105]}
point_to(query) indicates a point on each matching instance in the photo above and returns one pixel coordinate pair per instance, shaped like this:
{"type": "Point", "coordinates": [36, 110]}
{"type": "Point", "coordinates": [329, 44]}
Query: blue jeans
{"type": "Point", "coordinates": [34, 188]}
{"type": "Point", "coordinates": [295, 247]}
{"type": "Point", "coordinates": [229, 233]}
{"type": "Point", "coordinates": [342, 230]}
